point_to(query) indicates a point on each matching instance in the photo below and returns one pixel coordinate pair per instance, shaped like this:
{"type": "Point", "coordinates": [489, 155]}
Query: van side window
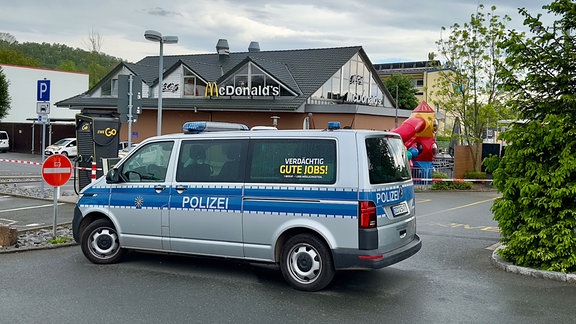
{"type": "Point", "coordinates": [387, 161]}
{"type": "Point", "coordinates": [221, 160]}
{"type": "Point", "coordinates": [148, 164]}
{"type": "Point", "coordinates": [293, 161]}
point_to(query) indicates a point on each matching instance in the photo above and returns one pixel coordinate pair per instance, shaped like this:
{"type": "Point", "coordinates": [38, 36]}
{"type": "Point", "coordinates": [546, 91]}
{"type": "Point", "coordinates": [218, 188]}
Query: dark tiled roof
{"type": "Point", "coordinates": [302, 71]}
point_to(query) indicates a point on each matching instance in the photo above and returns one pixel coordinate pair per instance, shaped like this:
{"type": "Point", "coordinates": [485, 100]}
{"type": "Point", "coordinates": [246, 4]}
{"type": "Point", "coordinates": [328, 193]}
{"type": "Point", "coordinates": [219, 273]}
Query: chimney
{"type": "Point", "coordinates": [222, 47]}
{"type": "Point", "coordinates": [254, 47]}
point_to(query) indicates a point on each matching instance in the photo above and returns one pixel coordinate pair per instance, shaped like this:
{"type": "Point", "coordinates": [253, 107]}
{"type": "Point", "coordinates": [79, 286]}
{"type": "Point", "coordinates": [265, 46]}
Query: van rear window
{"type": "Point", "coordinates": [387, 160]}
{"type": "Point", "coordinates": [293, 161]}
{"type": "Point", "coordinates": [3, 136]}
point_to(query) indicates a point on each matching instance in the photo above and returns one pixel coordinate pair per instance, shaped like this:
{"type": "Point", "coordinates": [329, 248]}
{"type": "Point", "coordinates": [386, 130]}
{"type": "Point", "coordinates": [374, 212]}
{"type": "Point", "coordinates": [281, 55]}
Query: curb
{"type": "Point", "coordinates": [541, 274]}
{"type": "Point", "coordinates": [37, 248]}
{"type": "Point", "coordinates": [69, 199]}
{"type": "Point", "coordinates": [45, 246]}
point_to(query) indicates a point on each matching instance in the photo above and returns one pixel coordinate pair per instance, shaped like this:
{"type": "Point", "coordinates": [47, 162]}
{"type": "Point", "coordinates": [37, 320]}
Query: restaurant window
{"type": "Point", "coordinates": [193, 87]}
{"type": "Point", "coordinates": [109, 88]}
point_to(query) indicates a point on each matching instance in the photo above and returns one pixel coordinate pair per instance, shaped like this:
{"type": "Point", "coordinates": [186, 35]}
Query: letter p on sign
{"type": "Point", "coordinates": [43, 90]}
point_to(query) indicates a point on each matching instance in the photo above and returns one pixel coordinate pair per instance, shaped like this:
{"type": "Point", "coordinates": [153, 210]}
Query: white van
{"type": "Point", "coordinates": [4, 141]}
{"type": "Point", "coordinates": [311, 201]}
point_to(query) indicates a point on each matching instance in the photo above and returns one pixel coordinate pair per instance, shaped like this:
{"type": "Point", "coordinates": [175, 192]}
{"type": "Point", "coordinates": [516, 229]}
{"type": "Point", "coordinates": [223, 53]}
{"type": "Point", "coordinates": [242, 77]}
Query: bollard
{"type": "Point", "coordinates": [8, 235]}
{"type": "Point", "coordinates": [93, 172]}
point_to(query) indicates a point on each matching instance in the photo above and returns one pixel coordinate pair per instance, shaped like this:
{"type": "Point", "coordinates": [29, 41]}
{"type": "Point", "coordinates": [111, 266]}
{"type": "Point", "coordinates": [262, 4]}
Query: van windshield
{"type": "Point", "coordinates": [387, 160]}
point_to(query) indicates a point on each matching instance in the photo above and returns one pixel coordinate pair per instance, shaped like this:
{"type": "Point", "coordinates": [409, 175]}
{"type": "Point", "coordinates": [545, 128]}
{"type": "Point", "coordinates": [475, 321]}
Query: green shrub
{"type": "Point", "coordinates": [448, 185]}
{"type": "Point", "coordinates": [537, 211]}
{"type": "Point", "coordinates": [475, 175]}
{"type": "Point", "coordinates": [537, 174]}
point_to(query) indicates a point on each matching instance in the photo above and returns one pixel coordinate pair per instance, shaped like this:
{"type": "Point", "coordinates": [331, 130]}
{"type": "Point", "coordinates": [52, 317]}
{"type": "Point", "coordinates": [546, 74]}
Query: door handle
{"type": "Point", "coordinates": [159, 189]}
{"type": "Point", "coordinates": [181, 189]}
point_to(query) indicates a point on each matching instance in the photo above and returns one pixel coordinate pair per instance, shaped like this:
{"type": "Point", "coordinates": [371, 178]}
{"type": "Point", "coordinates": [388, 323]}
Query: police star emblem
{"type": "Point", "coordinates": [139, 201]}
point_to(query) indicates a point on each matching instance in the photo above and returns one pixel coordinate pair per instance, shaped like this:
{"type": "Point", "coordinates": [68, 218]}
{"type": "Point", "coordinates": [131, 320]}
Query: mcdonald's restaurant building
{"type": "Point", "coordinates": [289, 89]}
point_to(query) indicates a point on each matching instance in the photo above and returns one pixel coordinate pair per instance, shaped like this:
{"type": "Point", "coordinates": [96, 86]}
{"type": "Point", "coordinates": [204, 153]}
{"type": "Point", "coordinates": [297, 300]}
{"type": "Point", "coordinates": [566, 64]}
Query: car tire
{"type": "Point", "coordinates": [65, 153]}
{"type": "Point", "coordinates": [306, 263]}
{"type": "Point", "coordinates": [100, 243]}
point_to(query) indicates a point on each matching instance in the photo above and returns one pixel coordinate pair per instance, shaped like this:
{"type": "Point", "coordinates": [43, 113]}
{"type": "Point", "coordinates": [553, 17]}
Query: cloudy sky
{"type": "Point", "coordinates": [389, 30]}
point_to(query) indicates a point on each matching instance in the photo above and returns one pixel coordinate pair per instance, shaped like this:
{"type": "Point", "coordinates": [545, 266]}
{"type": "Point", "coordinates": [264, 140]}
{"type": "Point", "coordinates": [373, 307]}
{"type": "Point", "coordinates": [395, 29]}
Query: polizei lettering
{"type": "Point", "coordinates": [388, 196]}
{"type": "Point", "coordinates": [205, 202]}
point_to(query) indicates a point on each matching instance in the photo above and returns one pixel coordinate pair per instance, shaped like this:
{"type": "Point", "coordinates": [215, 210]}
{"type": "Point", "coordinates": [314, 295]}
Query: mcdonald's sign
{"type": "Point", "coordinates": [211, 89]}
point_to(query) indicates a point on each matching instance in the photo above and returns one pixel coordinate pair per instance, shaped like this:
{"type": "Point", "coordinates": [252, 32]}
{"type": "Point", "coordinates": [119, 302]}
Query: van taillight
{"type": "Point", "coordinates": [367, 212]}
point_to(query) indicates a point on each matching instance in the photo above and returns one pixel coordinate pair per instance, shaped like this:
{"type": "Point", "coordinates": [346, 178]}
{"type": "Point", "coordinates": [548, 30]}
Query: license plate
{"type": "Point", "coordinates": [400, 209]}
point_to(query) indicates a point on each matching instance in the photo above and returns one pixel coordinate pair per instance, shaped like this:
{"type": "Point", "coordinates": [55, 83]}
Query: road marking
{"type": "Point", "coordinates": [494, 229]}
{"type": "Point", "coordinates": [27, 208]}
{"type": "Point", "coordinates": [456, 208]}
{"type": "Point", "coordinates": [7, 221]}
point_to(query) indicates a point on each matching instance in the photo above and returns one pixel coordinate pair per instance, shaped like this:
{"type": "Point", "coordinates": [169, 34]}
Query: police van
{"type": "Point", "coordinates": [310, 201]}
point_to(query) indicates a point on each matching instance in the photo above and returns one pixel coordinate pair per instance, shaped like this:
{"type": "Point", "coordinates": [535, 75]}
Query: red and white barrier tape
{"type": "Point", "coordinates": [451, 180]}
{"type": "Point", "coordinates": [40, 164]}
{"type": "Point", "coordinates": [20, 161]}
{"type": "Point", "coordinates": [87, 169]}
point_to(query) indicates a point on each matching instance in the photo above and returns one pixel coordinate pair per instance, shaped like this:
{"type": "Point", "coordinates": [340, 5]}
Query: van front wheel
{"type": "Point", "coordinates": [306, 263]}
{"type": "Point", "coordinates": [100, 243]}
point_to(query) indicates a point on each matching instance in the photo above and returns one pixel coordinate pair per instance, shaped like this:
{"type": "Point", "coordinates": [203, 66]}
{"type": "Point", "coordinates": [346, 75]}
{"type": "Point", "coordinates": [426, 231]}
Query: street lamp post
{"type": "Point", "coordinates": [155, 36]}
{"type": "Point", "coordinates": [396, 117]}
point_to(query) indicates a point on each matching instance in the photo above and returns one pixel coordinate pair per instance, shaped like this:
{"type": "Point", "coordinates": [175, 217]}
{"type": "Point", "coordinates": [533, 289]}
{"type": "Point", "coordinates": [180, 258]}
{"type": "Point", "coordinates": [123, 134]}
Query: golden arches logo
{"type": "Point", "coordinates": [211, 89]}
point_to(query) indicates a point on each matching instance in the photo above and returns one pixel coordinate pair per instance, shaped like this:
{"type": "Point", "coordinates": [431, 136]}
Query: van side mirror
{"type": "Point", "coordinates": [113, 176]}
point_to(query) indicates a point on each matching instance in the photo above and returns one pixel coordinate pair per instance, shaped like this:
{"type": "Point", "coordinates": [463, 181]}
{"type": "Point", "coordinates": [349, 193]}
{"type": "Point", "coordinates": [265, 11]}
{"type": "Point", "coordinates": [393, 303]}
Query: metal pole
{"type": "Point", "coordinates": [160, 86]}
{"type": "Point", "coordinates": [56, 194]}
{"type": "Point", "coordinates": [396, 117]}
{"type": "Point", "coordinates": [33, 128]}
{"type": "Point", "coordinates": [131, 79]}
{"type": "Point", "coordinates": [42, 147]}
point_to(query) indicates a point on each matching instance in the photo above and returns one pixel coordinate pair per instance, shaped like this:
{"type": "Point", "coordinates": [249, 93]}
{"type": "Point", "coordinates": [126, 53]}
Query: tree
{"type": "Point", "coordinates": [8, 38]}
{"type": "Point", "coordinates": [537, 174]}
{"type": "Point", "coordinates": [94, 43]}
{"type": "Point", "coordinates": [406, 91]}
{"type": "Point", "coordinates": [67, 65]}
{"type": "Point", "coordinates": [4, 95]}
{"type": "Point", "coordinates": [15, 57]}
{"type": "Point", "coordinates": [467, 87]}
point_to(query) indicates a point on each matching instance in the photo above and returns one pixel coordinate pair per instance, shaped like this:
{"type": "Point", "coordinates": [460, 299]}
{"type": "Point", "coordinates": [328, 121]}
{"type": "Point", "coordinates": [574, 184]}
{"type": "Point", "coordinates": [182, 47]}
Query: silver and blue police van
{"type": "Point", "coordinates": [310, 201]}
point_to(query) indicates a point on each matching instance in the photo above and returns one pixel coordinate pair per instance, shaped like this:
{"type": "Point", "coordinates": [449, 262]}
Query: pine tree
{"type": "Point", "coordinates": [4, 95]}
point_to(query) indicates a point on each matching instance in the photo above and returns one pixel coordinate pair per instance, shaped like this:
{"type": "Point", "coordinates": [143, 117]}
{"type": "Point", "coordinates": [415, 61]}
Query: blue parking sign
{"type": "Point", "coordinates": [43, 90]}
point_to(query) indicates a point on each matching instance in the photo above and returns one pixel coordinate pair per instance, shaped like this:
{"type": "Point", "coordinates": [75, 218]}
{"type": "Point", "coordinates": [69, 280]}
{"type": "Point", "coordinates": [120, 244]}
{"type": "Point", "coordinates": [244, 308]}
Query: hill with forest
{"type": "Point", "coordinates": [57, 57]}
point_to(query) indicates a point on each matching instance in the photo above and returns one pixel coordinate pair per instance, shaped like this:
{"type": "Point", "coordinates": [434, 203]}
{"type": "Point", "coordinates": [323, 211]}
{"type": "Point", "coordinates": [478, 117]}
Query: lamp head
{"type": "Point", "coordinates": [153, 36]}
{"type": "Point", "coordinates": [170, 39]}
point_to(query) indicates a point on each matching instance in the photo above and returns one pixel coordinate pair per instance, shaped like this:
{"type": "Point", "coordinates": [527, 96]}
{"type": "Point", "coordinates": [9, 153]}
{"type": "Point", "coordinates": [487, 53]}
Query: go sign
{"type": "Point", "coordinates": [56, 170]}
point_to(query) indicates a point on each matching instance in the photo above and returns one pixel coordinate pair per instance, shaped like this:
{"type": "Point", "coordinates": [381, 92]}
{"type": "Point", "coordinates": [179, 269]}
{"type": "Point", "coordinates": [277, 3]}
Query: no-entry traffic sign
{"type": "Point", "coordinates": [56, 170]}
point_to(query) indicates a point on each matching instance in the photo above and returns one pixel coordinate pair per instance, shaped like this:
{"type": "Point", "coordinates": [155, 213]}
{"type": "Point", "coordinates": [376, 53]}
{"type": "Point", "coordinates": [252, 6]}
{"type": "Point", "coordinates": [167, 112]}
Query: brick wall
{"type": "Point", "coordinates": [463, 161]}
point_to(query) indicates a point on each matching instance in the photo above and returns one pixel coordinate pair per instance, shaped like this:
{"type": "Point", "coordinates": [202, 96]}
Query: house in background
{"type": "Point", "coordinates": [289, 89]}
{"type": "Point", "coordinates": [424, 75]}
{"type": "Point", "coordinates": [22, 121]}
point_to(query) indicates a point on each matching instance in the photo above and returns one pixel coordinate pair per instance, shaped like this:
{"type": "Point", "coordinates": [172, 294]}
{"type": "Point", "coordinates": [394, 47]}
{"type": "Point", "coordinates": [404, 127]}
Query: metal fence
{"type": "Point", "coordinates": [444, 165]}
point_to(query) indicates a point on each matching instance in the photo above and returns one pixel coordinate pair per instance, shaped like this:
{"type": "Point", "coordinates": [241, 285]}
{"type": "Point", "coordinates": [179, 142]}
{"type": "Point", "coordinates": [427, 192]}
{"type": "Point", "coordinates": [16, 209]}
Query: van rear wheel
{"type": "Point", "coordinates": [100, 242]}
{"type": "Point", "coordinates": [306, 263]}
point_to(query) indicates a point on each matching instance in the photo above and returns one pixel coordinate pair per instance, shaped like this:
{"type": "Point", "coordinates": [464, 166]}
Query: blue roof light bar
{"type": "Point", "coordinates": [206, 126]}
